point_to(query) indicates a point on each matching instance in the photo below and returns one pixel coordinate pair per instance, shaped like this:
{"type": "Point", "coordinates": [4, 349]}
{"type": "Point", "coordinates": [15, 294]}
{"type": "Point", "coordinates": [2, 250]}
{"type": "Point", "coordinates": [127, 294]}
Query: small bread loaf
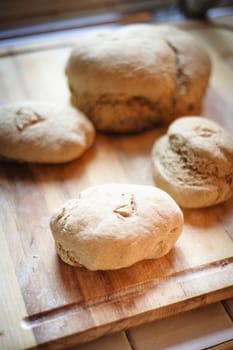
{"type": "Point", "coordinates": [136, 76]}
{"type": "Point", "coordinates": [113, 226]}
{"type": "Point", "coordinates": [193, 162]}
{"type": "Point", "coordinates": [43, 132]}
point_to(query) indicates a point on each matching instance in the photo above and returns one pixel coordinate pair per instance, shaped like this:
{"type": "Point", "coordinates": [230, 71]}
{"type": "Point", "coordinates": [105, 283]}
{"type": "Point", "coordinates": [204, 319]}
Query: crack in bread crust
{"type": "Point", "coordinates": [27, 117]}
{"type": "Point", "coordinates": [182, 78]}
{"type": "Point", "coordinates": [126, 209]}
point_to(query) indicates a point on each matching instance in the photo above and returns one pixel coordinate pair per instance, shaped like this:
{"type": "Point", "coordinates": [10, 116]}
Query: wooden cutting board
{"type": "Point", "coordinates": [48, 303]}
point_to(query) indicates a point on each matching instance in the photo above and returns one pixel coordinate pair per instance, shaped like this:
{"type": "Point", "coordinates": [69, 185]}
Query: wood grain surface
{"type": "Point", "coordinates": [48, 303]}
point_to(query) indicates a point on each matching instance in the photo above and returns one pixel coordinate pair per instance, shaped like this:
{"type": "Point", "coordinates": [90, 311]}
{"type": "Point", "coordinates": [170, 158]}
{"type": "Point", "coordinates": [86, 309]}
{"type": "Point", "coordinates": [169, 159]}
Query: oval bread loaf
{"type": "Point", "coordinates": [193, 162]}
{"type": "Point", "coordinates": [113, 226]}
{"type": "Point", "coordinates": [43, 132]}
{"type": "Point", "coordinates": [136, 76]}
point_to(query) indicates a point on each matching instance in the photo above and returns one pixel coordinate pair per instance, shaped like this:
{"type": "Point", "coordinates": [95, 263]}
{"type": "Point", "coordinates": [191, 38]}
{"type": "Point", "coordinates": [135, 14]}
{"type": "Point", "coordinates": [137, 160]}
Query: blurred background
{"type": "Point", "coordinates": [28, 17]}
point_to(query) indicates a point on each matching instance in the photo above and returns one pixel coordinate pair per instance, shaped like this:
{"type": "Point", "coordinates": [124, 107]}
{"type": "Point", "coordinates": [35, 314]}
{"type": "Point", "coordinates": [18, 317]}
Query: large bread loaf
{"type": "Point", "coordinates": [136, 76]}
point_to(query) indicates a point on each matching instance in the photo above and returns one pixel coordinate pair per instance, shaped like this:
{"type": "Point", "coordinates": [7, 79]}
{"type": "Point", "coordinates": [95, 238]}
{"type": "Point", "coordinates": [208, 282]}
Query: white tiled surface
{"type": "Point", "coordinates": [193, 330]}
{"type": "Point", "coordinates": [116, 341]}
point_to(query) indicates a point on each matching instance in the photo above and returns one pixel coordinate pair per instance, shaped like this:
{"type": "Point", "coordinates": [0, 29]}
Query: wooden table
{"type": "Point", "coordinates": [45, 302]}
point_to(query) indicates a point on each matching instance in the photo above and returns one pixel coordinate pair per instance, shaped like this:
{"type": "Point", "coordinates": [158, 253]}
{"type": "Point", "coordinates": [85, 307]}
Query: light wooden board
{"type": "Point", "coordinates": [58, 306]}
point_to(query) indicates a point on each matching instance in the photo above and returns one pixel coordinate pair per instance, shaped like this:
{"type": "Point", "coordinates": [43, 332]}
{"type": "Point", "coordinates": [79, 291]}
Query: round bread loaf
{"type": "Point", "coordinates": [193, 162]}
{"type": "Point", "coordinates": [113, 226]}
{"type": "Point", "coordinates": [43, 132]}
{"type": "Point", "coordinates": [136, 76]}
